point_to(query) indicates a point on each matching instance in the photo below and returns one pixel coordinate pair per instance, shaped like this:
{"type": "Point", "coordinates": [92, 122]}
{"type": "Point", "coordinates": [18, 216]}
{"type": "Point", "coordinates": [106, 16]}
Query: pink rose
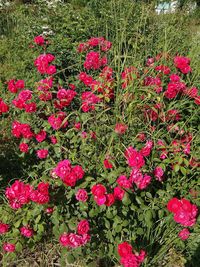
{"type": "Point", "coordinates": [124, 249]}
{"type": "Point", "coordinates": [119, 193]}
{"type": "Point", "coordinates": [83, 227]}
{"type": "Point", "coordinates": [3, 228]}
{"type": "Point", "coordinates": [8, 247]}
{"type": "Point", "coordinates": [120, 128]}
{"type": "Point", "coordinates": [42, 153]}
{"type": "Point", "coordinates": [184, 234]}
{"type": "Point", "coordinates": [26, 231]}
{"type": "Point", "coordinates": [24, 147]}
{"type": "Point", "coordinates": [82, 195]}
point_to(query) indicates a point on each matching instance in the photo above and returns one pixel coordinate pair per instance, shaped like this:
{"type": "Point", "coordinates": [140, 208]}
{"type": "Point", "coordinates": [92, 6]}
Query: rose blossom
{"type": "Point", "coordinates": [3, 228]}
{"type": "Point", "coordinates": [42, 153]}
{"type": "Point", "coordinates": [82, 195]}
{"type": "Point", "coordinates": [83, 227]}
{"type": "Point", "coordinates": [26, 231]}
{"type": "Point", "coordinates": [9, 247]}
{"type": "Point", "coordinates": [184, 234]}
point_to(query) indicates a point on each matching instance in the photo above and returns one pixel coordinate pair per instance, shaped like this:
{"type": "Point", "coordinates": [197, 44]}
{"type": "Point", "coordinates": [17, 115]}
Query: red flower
{"type": "Point", "coordinates": [120, 128]}
{"type": "Point", "coordinates": [119, 193]}
{"type": "Point", "coordinates": [9, 247]}
{"type": "Point", "coordinates": [83, 227]}
{"type": "Point", "coordinates": [107, 164]}
{"type": "Point", "coordinates": [42, 153]}
{"type": "Point", "coordinates": [3, 228]}
{"type": "Point", "coordinates": [39, 40]}
{"type": "Point", "coordinates": [98, 190]}
{"type": "Point", "coordinates": [82, 195]}
{"type": "Point", "coordinates": [24, 147]}
{"type": "Point", "coordinates": [184, 234]}
{"type": "Point", "coordinates": [26, 231]}
{"type": "Point", "coordinates": [173, 205]}
{"type": "Point", "coordinates": [124, 249]}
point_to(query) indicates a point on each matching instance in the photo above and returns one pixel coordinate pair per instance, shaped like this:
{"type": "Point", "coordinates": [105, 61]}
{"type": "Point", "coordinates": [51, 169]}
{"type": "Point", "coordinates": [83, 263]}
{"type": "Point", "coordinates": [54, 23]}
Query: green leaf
{"type": "Point", "coordinates": [176, 168]}
{"type": "Point", "coordinates": [70, 259]}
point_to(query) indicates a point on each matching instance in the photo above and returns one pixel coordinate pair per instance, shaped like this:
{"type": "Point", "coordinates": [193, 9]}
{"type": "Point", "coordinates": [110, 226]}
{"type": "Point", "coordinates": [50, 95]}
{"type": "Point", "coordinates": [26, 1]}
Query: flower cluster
{"type": "Point", "coordinates": [44, 87]}
{"type": "Point", "coordinates": [128, 258]}
{"type": "Point", "coordinates": [101, 196]}
{"type": "Point", "coordinates": [183, 64]}
{"type": "Point", "coordinates": [20, 194]}
{"type": "Point", "coordinates": [94, 61]}
{"type": "Point", "coordinates": [104, 45]}
{"type": "Point", "coordinates": [14, 86]}
{"type": "Point", "coordinates": [58, 120]}
{"type": "Point", "coordinates": [88, 101]}
{"type": "Point", "coordinates": [184, 212]}
{"type": "Point", "coordinates": [21, 101]}
{"type": "Point", "coordinates": [22, 130]}
{"type": "Point", "coordinates": [68, 174]}
{"type": "Point", "coordinates": [4, 108]}
{"type": "Point", "coordinates": [136, 161]}
{"type": "Point", "coordinates": [73, 240]}
{"type": "Point", "coordinates": [65, 97]}
{"type": "Point", "coordinates": [42, 63]}
{"type": "Point", "coordinates": [4, 228]}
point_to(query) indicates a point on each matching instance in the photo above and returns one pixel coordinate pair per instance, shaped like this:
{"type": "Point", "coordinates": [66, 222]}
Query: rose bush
{"type": "Point", "coordinates": [111, 153]}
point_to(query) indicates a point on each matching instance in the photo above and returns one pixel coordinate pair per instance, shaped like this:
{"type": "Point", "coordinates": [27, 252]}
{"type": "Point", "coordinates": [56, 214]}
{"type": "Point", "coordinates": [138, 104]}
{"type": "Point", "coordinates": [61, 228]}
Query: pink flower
{"type": "Point", "coordinates": [73, 240]}
{"type": "Point", "coordinates": [146, 150]}
{"type": "Point", "coordinates": [124, 182]}
{"type": "Point", "coordinates": [39, 40]}
{"type": "Point", "coordinates": [67, 173]}
{"type": "Point", "coordinates": [53, 140]}
{"type": "Point", "coordinates": [120, 128]}
{"type": "Point", "coordinates": [18, 194]}
{"type": "Point", "coordinates": [25, 95]}
{"type": "Point", "coordinates": [184, 212]}
{"type": "Point", "coordinates": [124, 249]}
{"type": "Point", "coordinates": [42, 153]}
{"type": "Point", "coordinates": [24, 147]}
{"type": "Point", "coordinates": [4, 228]}
{"type": "Point", "coordinates": [30, 107]}
{"type": "Point", "coordinates": [49, 210]}
{"type": "Point", "coordinates": [82, 195]}
{"type": "Point", "coordinates": [89, 100]}
{"type": "Point", "coordinates": [56, 120]}
{"type": "Point", "coordinates": [83, 227]}
{"type": "Point", "coordinates": [14, 86]}
{"type": "Point", "coordinates": [98, 190]}
{"type": "Point", "coordinates": [158, 173]}
{"type": "Point", "coordinates": [119, 193]}
{"type": "Point", "coordinates": [134, 158]}
{"type": "Point", "coordinates": [77, 125]}
{"type": "Point", "coordinates": [182, 63]}
{"type": "Point", "coordinates": [26, 231]}
{"type": "Point", "coordinates": [110, 199]}
{"type": "Point", "coordinates": [3, 107]}
{"type": "Point", "coordinates": [9, 247]}
{"type": "Point", "coordinates": [174, 205]}
{"type": "Point", "coordinates": [184, 234]}
{"type": "Point", "coordinates": [41, 136]}
{"type": "Point", "coordinates": [174, 78]}
{"type": "Point", "coordinates": [107, 164]}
